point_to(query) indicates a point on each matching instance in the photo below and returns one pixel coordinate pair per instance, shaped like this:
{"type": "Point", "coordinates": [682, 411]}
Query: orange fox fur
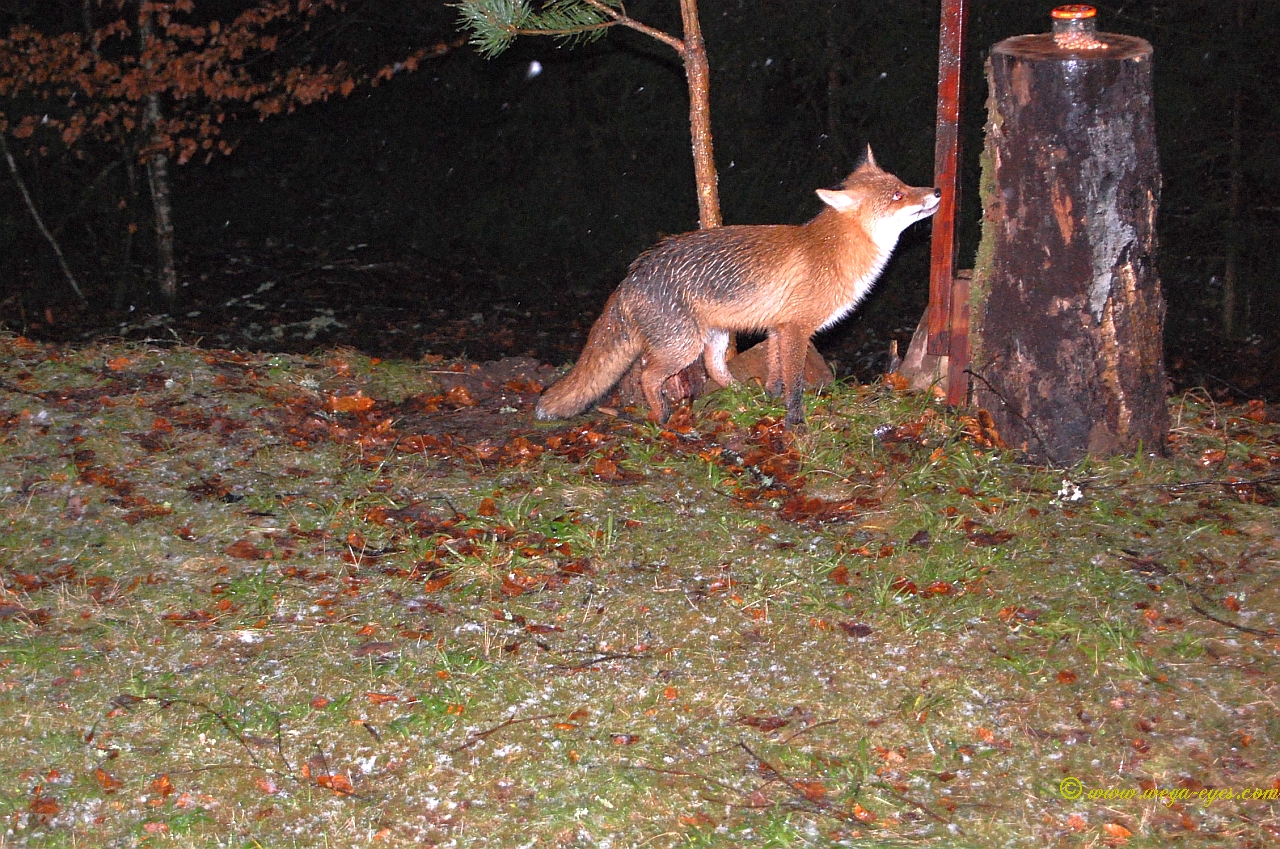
{"type": "Point", "coordinates": [684, 296]}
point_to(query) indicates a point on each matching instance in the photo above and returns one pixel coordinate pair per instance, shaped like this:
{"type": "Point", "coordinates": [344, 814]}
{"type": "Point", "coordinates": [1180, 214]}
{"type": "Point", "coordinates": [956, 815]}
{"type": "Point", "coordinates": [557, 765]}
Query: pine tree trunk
{"type": "Point", "coordinates": [1067, 308]}
{"type": "Point", "coordinates": [698, 73]}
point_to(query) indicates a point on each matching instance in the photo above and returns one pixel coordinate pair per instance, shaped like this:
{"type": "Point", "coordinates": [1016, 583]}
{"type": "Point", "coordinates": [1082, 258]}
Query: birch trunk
{"type": "Point", "coordinates": [157, 165]}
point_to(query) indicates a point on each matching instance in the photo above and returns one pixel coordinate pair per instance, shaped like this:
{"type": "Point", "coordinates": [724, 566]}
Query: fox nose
{"type": "Point", "coordinates": [937, 193]}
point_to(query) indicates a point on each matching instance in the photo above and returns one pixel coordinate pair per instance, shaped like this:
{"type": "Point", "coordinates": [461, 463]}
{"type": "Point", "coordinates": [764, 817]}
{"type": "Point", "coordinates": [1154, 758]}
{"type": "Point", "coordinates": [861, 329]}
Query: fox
{"type": "Point", "coordinates": [683, 297]}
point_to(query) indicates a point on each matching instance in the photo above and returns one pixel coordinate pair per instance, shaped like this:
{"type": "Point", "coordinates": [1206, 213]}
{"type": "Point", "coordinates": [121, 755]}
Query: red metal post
{"type": "Point", "coordinates": [946, 157]}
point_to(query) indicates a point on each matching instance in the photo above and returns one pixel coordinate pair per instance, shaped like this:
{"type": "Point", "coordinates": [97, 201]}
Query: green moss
{"type": "Point", "coordinates": [980, 286]}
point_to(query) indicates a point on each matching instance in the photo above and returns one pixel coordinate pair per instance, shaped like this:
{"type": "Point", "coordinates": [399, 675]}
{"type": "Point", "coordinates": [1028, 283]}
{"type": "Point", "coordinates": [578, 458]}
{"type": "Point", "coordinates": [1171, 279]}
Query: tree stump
{"type": "Point", "coordinates": [1067, 310]}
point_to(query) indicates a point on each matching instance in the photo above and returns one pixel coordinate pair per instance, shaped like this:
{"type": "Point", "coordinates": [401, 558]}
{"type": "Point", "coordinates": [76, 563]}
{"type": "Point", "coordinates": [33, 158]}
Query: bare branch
{"type": "Point", "coordinates": [627, 21]}
{"type": "Point", "coordinates": [31, 207]}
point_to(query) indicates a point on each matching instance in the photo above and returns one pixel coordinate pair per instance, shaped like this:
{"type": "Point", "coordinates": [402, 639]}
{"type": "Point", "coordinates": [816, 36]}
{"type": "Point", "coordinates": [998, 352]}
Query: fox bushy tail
{"type": "Point", "coordinates": [611, 347]}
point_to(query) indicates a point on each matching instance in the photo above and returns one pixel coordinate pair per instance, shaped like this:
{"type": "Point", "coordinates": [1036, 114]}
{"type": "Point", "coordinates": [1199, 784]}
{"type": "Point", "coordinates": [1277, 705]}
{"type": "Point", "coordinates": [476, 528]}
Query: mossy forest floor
{"type": "Point", "coordinates": [281, 600]}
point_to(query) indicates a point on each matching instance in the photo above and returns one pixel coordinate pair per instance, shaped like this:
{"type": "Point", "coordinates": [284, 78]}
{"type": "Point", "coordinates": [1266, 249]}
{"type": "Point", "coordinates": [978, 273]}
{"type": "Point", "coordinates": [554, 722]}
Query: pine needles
{"type": "Point", "coordinates": [494, 24]}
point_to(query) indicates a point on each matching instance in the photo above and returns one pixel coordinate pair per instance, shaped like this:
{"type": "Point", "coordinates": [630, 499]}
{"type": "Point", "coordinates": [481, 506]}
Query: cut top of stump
{"type": "Point", "coordinates": [1042, 47]}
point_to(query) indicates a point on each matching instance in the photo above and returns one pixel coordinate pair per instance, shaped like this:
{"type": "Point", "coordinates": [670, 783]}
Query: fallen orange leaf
{"type": "Point", "coordinates": [338, 783]}
{"type": "Point", "coordinates": [357, 403]}
{"type": "Point", "coordinates": [244, 549]}
{"type": "Point", "coordinates": [1212, 457]}
{"type": "Point", "coordinates": [1117, 832]}
{"type": "Point", "coordinates": [162, 786]}
{"type": "Point", "coordinates": [45, 806]}
{"type": "Point", "coordinates": [814, 791]}
{"type": "Point", "coordinates": [106, 780]}
{"type": "Point", "coordinates": [458, 396]}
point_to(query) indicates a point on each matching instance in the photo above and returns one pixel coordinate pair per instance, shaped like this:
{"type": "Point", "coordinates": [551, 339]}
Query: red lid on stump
{"type": "Point", "coordinates": [1073, 12]}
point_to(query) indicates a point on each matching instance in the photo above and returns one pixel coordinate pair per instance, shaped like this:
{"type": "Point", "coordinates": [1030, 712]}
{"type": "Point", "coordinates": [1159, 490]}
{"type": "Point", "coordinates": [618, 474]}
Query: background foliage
{"type": "Point", "coordinates": [560, 178]}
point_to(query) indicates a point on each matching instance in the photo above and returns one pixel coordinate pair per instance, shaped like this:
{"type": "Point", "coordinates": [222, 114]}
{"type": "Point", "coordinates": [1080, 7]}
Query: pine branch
{"type": "Point", "coordinates": [494, 24]}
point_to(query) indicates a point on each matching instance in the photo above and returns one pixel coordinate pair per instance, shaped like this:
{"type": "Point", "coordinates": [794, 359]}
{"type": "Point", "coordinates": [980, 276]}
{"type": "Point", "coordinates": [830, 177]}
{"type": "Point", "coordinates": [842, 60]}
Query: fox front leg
{"type": "Point", "coordinates": [792, 343]}
{"type": "Point", "coordinates": [773, 383]}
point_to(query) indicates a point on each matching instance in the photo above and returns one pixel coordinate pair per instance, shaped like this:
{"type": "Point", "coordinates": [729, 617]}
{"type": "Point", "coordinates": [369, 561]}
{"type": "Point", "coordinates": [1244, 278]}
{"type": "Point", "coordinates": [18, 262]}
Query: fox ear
{"type": "Point", "coordinates": [868, 158]}
{"type": "Point", "coordinates": [839, 201]}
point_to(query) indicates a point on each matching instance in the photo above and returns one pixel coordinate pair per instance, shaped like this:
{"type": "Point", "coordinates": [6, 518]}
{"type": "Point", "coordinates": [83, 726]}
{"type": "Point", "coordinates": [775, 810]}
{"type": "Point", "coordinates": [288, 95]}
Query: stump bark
{"type": "Point", "coordinates": [1067, 310]}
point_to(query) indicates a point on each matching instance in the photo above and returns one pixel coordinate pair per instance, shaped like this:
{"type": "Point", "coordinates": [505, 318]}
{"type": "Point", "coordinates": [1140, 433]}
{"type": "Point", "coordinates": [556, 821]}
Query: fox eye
{"type": "Point", "coordinates": [897, 195]}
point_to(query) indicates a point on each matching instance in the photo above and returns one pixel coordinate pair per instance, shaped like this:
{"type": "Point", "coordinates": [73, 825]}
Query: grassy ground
{"type": "Point", "coordinates": [286, 601]}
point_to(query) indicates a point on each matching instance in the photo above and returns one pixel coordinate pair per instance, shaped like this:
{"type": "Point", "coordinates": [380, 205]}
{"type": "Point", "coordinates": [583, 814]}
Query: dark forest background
{"type": "Point", "coordinates": [545, 186]}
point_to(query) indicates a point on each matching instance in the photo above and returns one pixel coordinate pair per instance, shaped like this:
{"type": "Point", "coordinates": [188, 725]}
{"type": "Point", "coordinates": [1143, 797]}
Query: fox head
{"type": "Point", "coordinates": [880, 202]}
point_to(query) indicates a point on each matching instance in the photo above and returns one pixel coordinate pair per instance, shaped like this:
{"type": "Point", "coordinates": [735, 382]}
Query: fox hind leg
{"type": "Point", "coordinates": [713, 352]}
{"type": "Point", "coordinates": [660, 364]}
